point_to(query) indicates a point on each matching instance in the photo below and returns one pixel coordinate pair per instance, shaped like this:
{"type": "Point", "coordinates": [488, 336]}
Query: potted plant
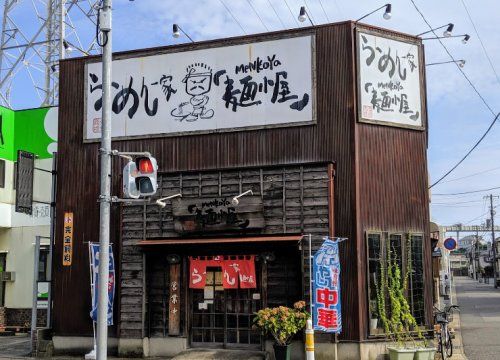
{"type": "Point", "coordinates": [282, 323]}
{"type": "Point", "coordinates": [373, 316]}
{"type": "Point", "coordinates": [399, 325]}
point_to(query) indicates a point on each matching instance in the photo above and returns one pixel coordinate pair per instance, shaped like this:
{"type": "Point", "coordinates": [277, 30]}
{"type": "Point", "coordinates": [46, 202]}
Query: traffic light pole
{"type": "Point", "coordinates": [105, 195]}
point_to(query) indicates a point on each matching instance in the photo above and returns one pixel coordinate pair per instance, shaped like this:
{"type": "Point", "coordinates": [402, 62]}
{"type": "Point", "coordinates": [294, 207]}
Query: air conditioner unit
{"type": "Point", "coordinates": [7, 276]}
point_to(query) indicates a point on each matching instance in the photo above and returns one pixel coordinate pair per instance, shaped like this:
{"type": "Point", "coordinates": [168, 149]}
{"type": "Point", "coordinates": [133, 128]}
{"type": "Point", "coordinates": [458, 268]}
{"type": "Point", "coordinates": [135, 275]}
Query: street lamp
{"type": "Point", "coordinates": [447, 33]}
{"type": "Point", "coordinates": [176, 29]}
{"type": "Point", "coordinates": [387, 14]}
{"type": "Point", "coordinates": [460, 63]}
{"type": "Point", "coordinates": [303, 15]}
{"type": "Point", "coordinates": [466, 37]}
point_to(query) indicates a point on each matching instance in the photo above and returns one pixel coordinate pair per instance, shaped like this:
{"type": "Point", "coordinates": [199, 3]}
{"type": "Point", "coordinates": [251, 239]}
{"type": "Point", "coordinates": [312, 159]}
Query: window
{"type": "Point", "coordinates": [43, 259]}
{"type": "Point", "coordinates": [416, 288]}
{"type": "Point", "coordinates": [408, 252]}
{"type": "Point", "coordinates": [2, 173]}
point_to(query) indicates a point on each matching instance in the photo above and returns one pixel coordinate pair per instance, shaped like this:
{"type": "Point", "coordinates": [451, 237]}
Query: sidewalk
{"type": "Point", "coordinates": [458, 349]}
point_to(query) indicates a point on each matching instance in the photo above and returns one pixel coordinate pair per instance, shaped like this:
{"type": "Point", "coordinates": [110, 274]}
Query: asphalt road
{"type": "Point", "coordinates": [12, 347]}
{"type": "Point", "coordinates": [479, 318]}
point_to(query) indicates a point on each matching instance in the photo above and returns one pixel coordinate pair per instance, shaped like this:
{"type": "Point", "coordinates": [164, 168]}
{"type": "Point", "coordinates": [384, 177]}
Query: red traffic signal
{"type": "Point", "coordinates": [145, 165]}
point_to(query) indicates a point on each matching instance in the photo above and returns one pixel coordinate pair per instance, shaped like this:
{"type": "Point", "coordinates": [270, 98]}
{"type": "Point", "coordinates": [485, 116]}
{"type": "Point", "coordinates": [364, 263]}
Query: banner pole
{"type": "Point", "coordinates": [310, 277]}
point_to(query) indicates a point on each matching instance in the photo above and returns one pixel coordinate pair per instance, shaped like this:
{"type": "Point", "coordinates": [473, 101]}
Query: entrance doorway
{"type": "Point", "coordinates": [224, 317]}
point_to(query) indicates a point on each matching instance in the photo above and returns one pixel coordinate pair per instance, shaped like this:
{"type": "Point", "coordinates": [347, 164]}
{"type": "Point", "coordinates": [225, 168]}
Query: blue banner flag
{"type": "Point", "coordinates": [94, 273]}
{"type": "Point", "coordinates": [327, 313]}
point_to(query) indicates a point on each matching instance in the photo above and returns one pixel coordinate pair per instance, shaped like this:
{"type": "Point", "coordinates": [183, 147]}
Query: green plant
{"type": "Point", "coordinates": [282, 322]}
{"type": "Point", "coordinates": [399, 325]}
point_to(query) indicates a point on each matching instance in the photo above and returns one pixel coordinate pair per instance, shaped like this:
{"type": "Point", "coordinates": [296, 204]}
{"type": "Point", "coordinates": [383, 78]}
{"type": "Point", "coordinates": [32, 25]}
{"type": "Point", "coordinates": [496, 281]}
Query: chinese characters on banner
{"type": "Point", "coordinates": [234, 271]}
{"type": "Point", "coordinates": [94, 278]}
{"type": "Point", "coordinates": [389, 81]}
{"type": "Point", "coordinates": [239, 86]}
{"type": "Point", "coordinates": [327, 315]}
{"type": "Point", "coordinates": [68, 239]}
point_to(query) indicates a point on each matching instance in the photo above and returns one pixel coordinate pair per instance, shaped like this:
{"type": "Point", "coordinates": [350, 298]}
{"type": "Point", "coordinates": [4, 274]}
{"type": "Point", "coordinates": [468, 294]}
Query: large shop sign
{"type": "Point", "coordinates": [389, 86]}
{"type": "Point", "coordinates": [217, 214]}
{"type": "Point", "coordinates": [237, 271]}
{"type": "Point", "coordinates": [253, 85]}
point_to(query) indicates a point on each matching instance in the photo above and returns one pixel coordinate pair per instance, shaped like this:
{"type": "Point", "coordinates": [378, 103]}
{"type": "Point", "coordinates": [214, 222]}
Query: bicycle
{"type": "Point", "coordinates": [442, 318]}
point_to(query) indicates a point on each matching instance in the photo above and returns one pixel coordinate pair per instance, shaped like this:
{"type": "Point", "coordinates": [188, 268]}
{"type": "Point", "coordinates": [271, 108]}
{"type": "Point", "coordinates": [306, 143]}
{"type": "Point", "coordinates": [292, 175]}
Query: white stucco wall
{"type": "Point", "coordinates": [19, 244]}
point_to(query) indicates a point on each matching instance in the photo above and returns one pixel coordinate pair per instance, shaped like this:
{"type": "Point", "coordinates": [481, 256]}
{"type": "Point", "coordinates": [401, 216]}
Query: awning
{"type": "Point", "coordinates": [253, 239]}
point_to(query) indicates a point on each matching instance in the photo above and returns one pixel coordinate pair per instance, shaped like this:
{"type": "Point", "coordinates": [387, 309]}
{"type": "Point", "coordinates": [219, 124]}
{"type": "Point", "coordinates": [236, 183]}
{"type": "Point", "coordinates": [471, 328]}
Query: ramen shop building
{"type": "Point", "coordinates": [327, 126]}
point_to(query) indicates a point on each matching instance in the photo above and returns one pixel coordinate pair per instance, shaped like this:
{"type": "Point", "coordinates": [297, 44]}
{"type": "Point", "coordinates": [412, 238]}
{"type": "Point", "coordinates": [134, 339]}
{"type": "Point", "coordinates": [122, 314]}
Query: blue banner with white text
{"type": "Point", "coordinates": [94, 269]}
{"type": "Point", "coordinates": [327, 314]}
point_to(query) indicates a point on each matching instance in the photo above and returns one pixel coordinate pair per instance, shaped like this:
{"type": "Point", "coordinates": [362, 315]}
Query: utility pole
{"type": "Point", "coordinates": [105, 196]}
{"type": "Point", "coordinates": [474, 257]}
{"type": "Point", "coordinates": [493, 243]}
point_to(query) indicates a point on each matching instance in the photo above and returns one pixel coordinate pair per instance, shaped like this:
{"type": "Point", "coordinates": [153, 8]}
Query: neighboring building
{"type": "Point", "coordinates": [459, 263]}
{"type": "Point", "coordinates": [35, 131]}
{"type": "Point", "coordinates": [281, 114]}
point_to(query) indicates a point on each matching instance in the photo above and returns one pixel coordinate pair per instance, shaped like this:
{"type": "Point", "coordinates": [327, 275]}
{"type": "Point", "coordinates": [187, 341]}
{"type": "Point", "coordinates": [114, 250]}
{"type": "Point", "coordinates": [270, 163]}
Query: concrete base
{"type": "Point", "coordinates": [168, 346]}
{"type": "Point", "coordinates": [131, 347]}
{"type": "Point", "coordinates": [80, 345]}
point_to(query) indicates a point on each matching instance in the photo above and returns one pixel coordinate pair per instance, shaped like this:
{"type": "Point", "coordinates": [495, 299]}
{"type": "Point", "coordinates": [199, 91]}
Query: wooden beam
{"type": "Point", "coordinates": [219, 240]}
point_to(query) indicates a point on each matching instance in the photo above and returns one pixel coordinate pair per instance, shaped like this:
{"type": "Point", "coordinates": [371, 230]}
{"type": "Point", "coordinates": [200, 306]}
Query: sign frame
{"type": "Point", "coordinates": [211, 45]}
{"type": "Point", "coordinates": [422, 80]}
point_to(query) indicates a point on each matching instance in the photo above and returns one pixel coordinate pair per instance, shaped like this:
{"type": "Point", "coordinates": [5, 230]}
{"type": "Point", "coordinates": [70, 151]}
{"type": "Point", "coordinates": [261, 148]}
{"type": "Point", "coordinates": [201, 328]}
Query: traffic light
{"type": "Point", "coordinates": [139, 177]}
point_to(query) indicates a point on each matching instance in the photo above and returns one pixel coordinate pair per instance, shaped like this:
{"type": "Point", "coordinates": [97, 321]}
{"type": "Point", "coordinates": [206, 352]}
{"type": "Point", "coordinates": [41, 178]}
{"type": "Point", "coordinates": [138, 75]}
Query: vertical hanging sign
{"type": "Point", "coordinates": [327, 314]}
{"type": "Point", "coordinates": [174, 300]}
{"type": "Point", "coordinates": [94, 278]}
{"type": "Point", "coordinates": [68, 239]}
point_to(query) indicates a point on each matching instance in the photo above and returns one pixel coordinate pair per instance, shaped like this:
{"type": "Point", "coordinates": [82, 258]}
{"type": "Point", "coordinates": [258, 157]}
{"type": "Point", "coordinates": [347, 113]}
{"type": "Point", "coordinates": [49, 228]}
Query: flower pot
{"type": "Point", "coordinates": [281, 352]}
{"type": "Point", "coordinates": [401, 353]}
{"type": "Point", "coordinates": [425, 354]}
{"type": "Point", "coordinates": [373, 324]}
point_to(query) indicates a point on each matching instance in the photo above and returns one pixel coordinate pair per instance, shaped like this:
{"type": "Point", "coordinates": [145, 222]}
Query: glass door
{"type": "Point", "coordinates": [224, 318]}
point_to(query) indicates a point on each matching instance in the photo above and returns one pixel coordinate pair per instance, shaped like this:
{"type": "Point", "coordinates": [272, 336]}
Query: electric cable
{"type": "Point", "coordinates": [276, 13]}
{"type": "Point", "coordinates": [291, 13]}
{"type": "Point", "coordinates": [473, 87]}
{"type": "Point", "coordinates": [468, 192]}
{"type": "Point", "coordinates": [324, 12]}
{"type": "Point", "coordinates": [470, 175]}
{"type": "Point", "coordinates": [234, 18]}
{"type": "Point", "coordinates": [309, 12]}
{"type": "Point", "coordinates": [256, 13]}
{"type": "Point", "coordinates": [468, 153]}
{"type": "Point", "coordinates": [481, 41]}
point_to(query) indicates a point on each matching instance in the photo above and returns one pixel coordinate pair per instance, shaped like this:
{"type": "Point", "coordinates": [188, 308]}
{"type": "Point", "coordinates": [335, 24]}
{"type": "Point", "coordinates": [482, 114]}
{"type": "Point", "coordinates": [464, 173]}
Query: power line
{"type": "Point", "coordinates": [468, 192]}
{"type": "Point", "coordinates": [469, 152]}
{"type": "Point", "coordinates": [270, 4]}
{"type": "Point", "coordinates": [256, 13]}
{"type": "Point", "coordinates": [480, 216]}
{"type": "Point", "coordinates": [459, 202]}
{"type": "Point", "coordinates": [471, 175]}
{"type": "Point", "coordinates": [481, 41]}
{"type": "Point", "coordinates": [309, 12]}
{"type": "Point", "coordinates": [453, 59]}
{"type": "Point", "coordinates": [234, 18]}
{"type": "Point", "coordinates": [291, 13]}
{"type": "Point", "coordinates": [473, 87]}
{"type": "Point", "coordinates": [324, 12]}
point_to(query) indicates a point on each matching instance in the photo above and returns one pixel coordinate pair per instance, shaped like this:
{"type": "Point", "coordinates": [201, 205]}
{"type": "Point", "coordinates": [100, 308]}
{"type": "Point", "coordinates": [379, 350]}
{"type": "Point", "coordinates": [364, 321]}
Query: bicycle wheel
{"type": "Point", "coordinates": [442, 343]}
{"type": "Point", "coordinates": [449, 344]}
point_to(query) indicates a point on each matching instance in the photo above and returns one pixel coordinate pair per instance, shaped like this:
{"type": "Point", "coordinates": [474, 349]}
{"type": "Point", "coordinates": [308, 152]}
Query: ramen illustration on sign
{"type": "Point", "coordinates": [198, 82]}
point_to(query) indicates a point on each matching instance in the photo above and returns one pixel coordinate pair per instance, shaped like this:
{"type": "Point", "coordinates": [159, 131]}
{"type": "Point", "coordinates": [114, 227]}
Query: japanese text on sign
{"type": "Point", "coordinates": [68, 239]}
{"type": "Point", "coordinates": [257, 84]}
{"type": "Point", "coordinates": [327, 314]}
{"type": "Point", "coordinates": [389, 80]}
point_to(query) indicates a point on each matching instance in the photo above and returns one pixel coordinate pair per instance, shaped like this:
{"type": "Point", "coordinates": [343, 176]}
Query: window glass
{"type": "Point", "coordinates": [374, 257]}
{"type": "Point", "coordinates": [417, 278]}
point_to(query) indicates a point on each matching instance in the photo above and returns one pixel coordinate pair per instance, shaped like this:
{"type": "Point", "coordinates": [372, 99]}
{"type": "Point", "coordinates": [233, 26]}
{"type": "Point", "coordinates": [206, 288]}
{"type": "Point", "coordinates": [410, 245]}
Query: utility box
{"type": "Point", "coordinates": [7, 276]}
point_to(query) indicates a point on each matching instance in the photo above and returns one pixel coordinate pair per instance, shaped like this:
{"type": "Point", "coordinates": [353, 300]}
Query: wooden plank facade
{"type": "Point", "coordinates": [380, 183]}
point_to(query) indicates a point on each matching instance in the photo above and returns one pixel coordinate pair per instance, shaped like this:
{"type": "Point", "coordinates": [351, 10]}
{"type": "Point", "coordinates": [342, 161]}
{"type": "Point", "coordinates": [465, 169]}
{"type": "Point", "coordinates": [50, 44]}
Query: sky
{"type": "Point", "coordinates": [457, 116]}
